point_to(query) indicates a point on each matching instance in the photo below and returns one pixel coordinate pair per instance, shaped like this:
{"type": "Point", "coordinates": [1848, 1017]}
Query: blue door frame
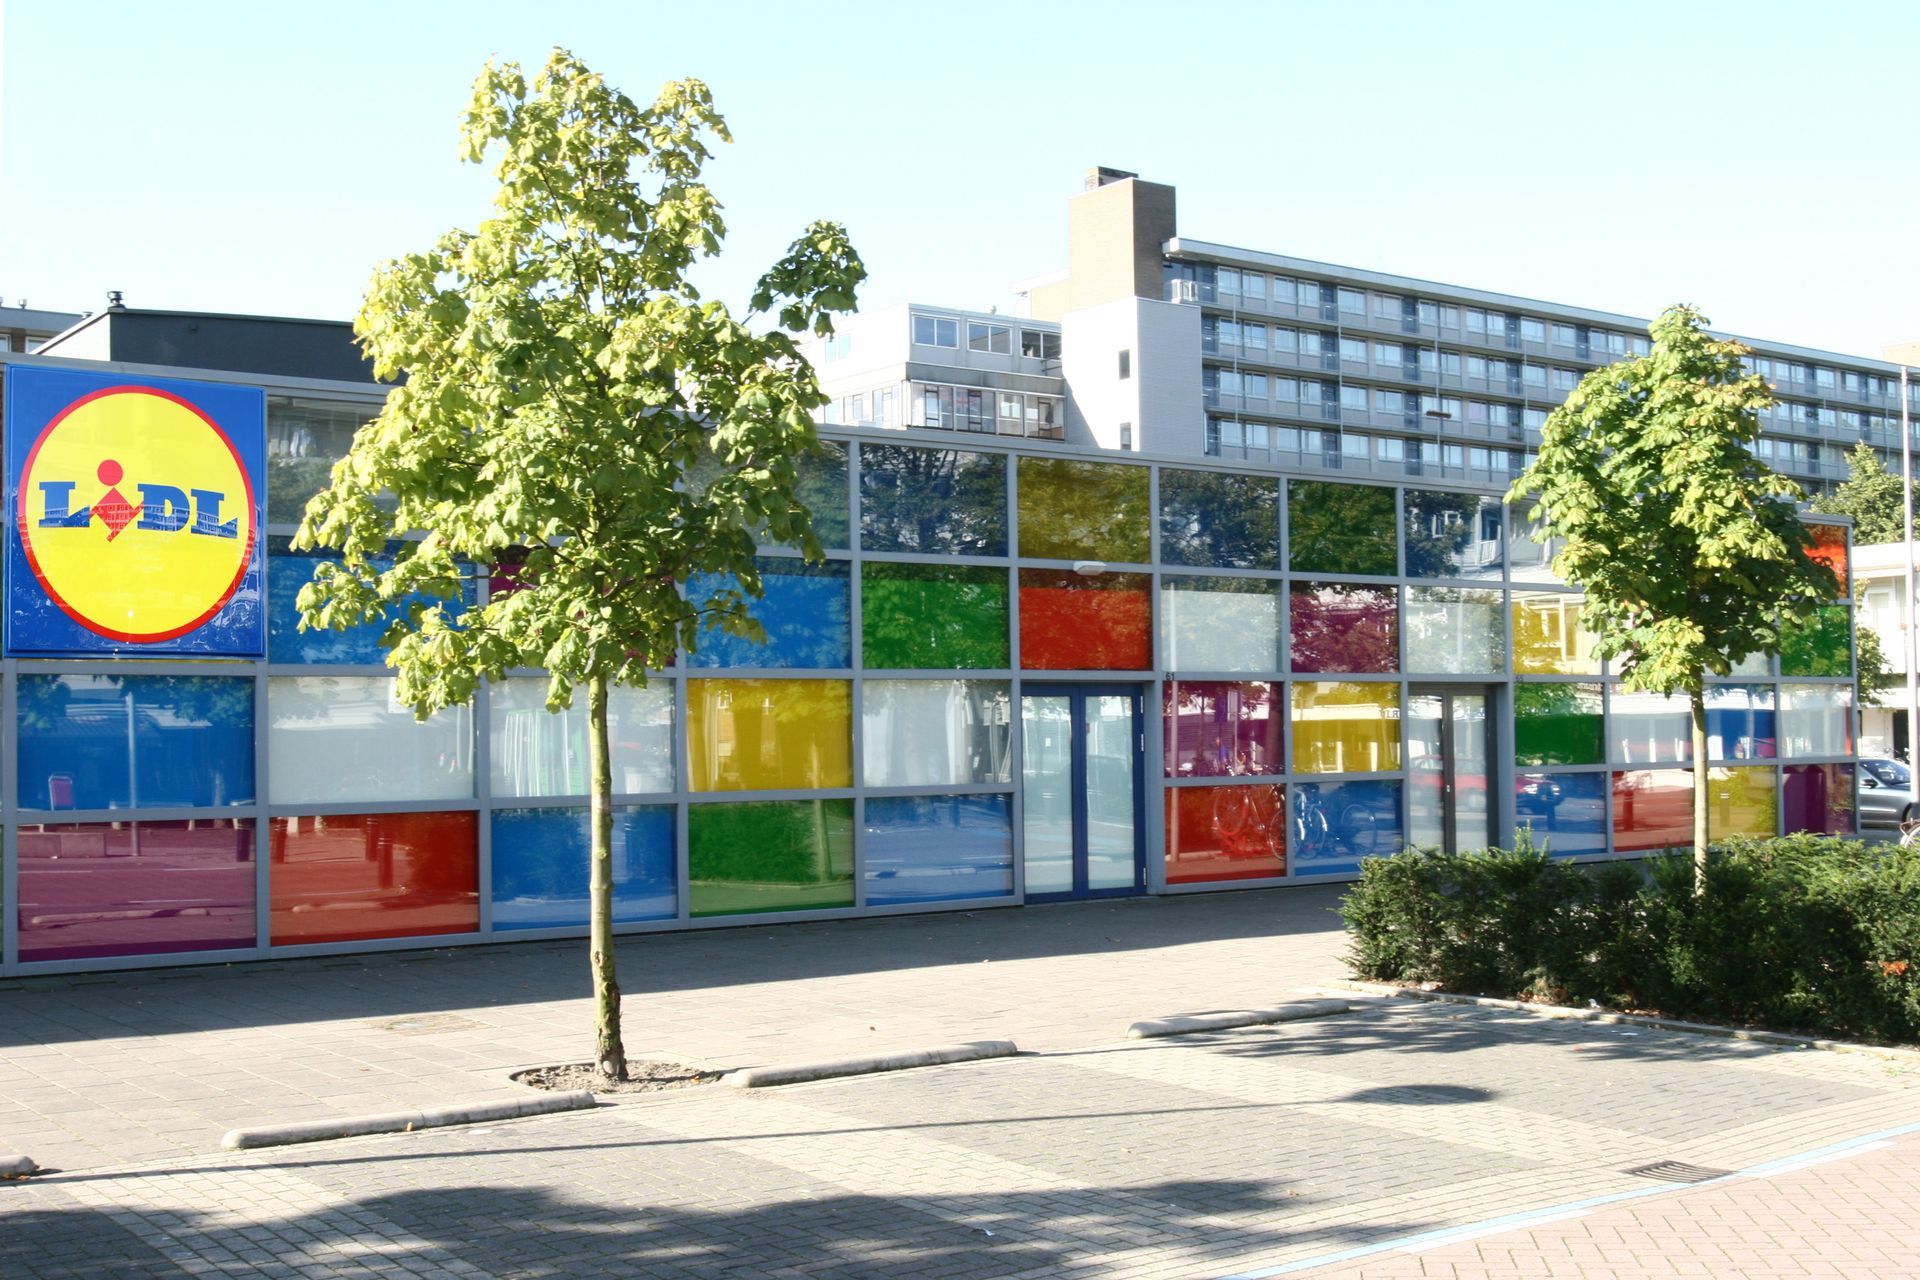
{"type": "Point", "coordinates": [1078, 695]}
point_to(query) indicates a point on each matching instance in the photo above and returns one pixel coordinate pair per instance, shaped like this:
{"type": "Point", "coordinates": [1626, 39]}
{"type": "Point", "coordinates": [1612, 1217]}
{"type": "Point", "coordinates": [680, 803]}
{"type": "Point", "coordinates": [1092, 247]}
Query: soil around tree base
{"type": "Point", "coordinates": [642, 1077]}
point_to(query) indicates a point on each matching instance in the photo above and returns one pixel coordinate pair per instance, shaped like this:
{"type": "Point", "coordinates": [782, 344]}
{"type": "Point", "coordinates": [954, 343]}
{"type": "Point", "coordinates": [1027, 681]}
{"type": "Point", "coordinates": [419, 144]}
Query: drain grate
{"type": "Point", "coordinates": [1675, 1171]}
{"type": "Point", "coordinates": [427, 1024]}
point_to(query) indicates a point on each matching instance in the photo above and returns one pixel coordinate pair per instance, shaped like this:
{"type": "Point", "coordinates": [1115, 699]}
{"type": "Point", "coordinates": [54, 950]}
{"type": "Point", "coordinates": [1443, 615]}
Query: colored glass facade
{"type": "Point", "coordinates": [905, 739]}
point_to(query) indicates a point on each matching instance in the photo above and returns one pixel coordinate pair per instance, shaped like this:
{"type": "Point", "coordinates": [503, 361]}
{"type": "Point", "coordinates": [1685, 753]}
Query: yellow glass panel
{"type": "Point", "coordinates": [1345, 727]}
{"type": "Point", "coordinates": [1548, 639]}
{"type": "Point", "coordinates": [769, 735]}
{"type": "Point", "coordinates": [1741, 802]}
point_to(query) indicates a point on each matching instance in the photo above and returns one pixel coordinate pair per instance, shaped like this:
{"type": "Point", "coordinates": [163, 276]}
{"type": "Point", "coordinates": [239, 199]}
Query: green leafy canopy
{"type": "Point", "coordinates": [561, 377]}
{"type": "Point", "coordinates": [1689, 548]}
{"type": "Point", "coordinates": [1873, 496]}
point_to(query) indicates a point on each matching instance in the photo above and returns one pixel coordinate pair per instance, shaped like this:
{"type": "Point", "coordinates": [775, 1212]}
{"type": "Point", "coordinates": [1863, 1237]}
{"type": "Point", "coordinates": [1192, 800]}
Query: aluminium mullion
{"type": "Point", "coordinates": [682, 750]}
{"type": "Point", "coordinates": [262, 809]}
{"type": "Point", "coordinates": [1017, 719]}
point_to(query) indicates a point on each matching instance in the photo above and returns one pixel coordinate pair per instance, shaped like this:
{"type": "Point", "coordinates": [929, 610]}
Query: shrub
{"type": "Point", "coordinates": [1801, 932]}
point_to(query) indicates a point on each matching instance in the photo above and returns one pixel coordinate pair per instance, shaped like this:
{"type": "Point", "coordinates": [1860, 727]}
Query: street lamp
{"type": "Point", "coordinates": [1905, 354]}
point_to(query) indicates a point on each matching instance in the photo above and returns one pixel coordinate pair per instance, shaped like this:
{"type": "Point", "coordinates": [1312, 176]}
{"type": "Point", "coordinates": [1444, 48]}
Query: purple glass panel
{"type": "Point", "coordinates": [1819, 798]}
{"type": "Point", "coordinates": [132, 889]}
{"type": "Point", "coordinates": [1342, 628]}
{"type": "Point", "coordinates": [1217, 729]}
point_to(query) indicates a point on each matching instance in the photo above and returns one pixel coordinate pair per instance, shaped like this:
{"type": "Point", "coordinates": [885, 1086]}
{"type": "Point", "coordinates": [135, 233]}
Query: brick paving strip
{"type": "Point", "coordinates": [1233, 1153]}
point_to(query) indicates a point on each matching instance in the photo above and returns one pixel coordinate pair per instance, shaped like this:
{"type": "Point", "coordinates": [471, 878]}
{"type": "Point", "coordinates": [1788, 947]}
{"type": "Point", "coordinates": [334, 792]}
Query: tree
{"type": "Point", "coordinates": [561, 376]}
{"type": "Point", "coordinates": [1689, 549]}
{"type": "Point", "coordinates": [1873, 677]}
{"type": "Point", "coordinates": [1875, 499]}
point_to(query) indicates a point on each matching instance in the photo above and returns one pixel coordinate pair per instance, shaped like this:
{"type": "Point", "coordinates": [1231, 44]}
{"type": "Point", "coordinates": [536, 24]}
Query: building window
{"type": "Point", "coordinates": [1386, 353]}
{"type": "Point", "coordinates": [1353, 349]}
{"type": "Point", "coordinates": [1038, 344]}
{"type": "Point", "coordinates": [1353, 398]}
{"type": "Point", "coordinates": [1476, 320]}
{"type": "Point", "coordinates": [933, 331]}
{"type": "Point", "coordinates": [839, 347]}
{"type": "Point", "coordinates": [1386, 306]}
{"type": "Point", "coordinates": [1353, 302]}
{"type": "Point", "coordinates": [997, 339]}
{"type": "Point", "coordinates": [1533, 330]}
{"type": "Point", "coordinates": [1126, 436]}
{"type": "Point", "coordinates": [1563, 335]}
{"type": "Point", "coordinates": [1126, 363]}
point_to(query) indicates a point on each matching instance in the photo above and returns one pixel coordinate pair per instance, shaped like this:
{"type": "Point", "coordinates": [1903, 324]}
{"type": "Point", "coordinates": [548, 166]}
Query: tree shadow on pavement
{"type": "Point", "coordinates": [536, 1233]}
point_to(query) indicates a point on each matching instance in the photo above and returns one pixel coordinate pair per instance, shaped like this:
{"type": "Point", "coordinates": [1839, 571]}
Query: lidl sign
{"type": "Point", "coordinates": [136, 506]}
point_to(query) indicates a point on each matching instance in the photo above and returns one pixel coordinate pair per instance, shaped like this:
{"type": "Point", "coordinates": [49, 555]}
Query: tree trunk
{"type": "Point", "coordinates": [610, 1053]}
{"type": "Point", "coordinates": [1699, 699]}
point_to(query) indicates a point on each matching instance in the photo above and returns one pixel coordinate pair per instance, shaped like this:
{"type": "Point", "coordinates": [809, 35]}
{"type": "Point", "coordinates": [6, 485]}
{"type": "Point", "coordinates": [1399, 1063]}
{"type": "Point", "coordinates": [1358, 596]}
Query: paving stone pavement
{"type": "Point", "coordinates": [114, 1068]}
{"type": "Point", "coordinates": [1237, 1153]}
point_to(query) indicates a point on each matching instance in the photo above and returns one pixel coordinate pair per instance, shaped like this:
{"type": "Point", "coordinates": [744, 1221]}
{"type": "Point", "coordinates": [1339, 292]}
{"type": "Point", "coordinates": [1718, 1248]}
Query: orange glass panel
{"type": "Point", "coordinates": [1652, 809]}
{"type": "Point", "coordinates": [1073, 623]}
{"type": "Point", "coordinates": [1830, 548]}
{"type": "Point", "coordinates": [1236, 832]}
{"type": "Point", "coordinates": [388, 875]}
{"type": "Point", "coordinates": [1742, 802]}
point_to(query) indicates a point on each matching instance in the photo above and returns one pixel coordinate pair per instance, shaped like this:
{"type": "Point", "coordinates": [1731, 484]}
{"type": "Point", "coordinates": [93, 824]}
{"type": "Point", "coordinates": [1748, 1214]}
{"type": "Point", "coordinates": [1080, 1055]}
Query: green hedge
{"type": "Point", "coordinates": [1802, 933]}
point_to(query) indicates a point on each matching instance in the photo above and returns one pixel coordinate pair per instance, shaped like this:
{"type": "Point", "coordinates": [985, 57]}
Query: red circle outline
{"type": "Point", "coordinates": [26, 541]}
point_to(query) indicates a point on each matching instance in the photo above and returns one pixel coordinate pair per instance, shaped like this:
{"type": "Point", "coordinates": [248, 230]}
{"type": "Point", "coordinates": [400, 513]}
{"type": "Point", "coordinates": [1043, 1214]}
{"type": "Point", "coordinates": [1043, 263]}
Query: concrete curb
{"type": "Point", "coordinates": [1293, 1011]}
{"type": "Point", "coordinates": [280, 1135]}
{"type": "Point", "coordinates": [1891, 1053]}
{"type": "Point", "coordinates": [801, 1072]}
{"type": "Point", "coordinates": [17, 1166]}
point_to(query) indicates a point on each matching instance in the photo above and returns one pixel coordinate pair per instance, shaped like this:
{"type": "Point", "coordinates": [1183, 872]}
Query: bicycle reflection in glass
{"type": "Point", "coordinates": [1343, 822]}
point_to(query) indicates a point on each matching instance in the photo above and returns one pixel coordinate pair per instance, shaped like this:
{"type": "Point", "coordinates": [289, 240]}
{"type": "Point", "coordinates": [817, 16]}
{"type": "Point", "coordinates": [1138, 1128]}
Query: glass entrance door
{"type": "Point", "coordinates": [1449, 767]}
{"type": "Point", "coordinates": [1081, 791]}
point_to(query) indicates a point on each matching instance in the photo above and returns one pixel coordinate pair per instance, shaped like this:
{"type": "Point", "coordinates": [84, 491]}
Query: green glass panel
{"type": "Point", "coordinates": [778, 856]}
{"type": "Point", "coordinates": [1340, 528]}
{"type": "Point", "coordinates": [1819, 646]}
{"type": "Point", "coordinates": [1557, 724]}
{"type": "Point", "coordinates": [1073, 510]}
{"type": "Point", "coordinates": [928, 615]}
{"type": "Point", "coordinates": [932, 500]}
{"type": "Point", "coordinates": [1217, 520]}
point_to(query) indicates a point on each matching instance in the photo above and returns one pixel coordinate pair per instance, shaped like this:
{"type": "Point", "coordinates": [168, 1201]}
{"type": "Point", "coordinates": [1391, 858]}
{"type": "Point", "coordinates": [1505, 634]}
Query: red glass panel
{"type": "Point", "coordinates": [389, 875]}
{"type": "Point", "coordinates": [1070, 622]}
{"type": "Point", "coordinates": [1819, 798]}
{"type": "Point", "coordinates": [1652, 809]}
{"type": "Point", "coordinates": [1345, 628]}
{"type": "Point", "coordinates": [1214, 728]}
{"type": "Point", "coordinates": [1830, 548]}
{"type": "Point", "coordinates": [130, 889]}
{"type": "Point", "coordinates": [1234, 832]}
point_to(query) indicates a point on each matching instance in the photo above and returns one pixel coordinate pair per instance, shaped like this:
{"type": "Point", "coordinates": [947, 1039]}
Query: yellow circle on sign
{"type": "Point", "coordinates": [136, 515]}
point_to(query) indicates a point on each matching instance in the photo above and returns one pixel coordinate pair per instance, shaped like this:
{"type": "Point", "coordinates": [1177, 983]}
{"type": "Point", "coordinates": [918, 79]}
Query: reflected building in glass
{"type": "Point", "coordinates": [1196, 577]}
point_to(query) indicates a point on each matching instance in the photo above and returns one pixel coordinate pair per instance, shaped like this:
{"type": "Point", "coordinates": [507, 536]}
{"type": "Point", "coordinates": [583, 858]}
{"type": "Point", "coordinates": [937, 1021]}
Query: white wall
{"type": "Point", "coordinates": [1161, 397]}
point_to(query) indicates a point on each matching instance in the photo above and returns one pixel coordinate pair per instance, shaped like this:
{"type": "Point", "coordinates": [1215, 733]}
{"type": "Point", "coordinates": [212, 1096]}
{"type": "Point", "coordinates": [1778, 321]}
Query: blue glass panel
{"type": "Point", "coordinates": [1740, 722]}
{"type": "Point", "coordinates": [804, 611]}
{"type": "Point", "coordinates": [938, 848]}
{"type": "Point", "coordinates": [540, 866]}
{"type": "Point", "coordinates": [135, 742]}
{"type": "Point", "coordinates": [287, 572]}
{"type": "Point", "coordinates": [1335, 824]}
{"type": "Point", "coordinates": [1567, 811]}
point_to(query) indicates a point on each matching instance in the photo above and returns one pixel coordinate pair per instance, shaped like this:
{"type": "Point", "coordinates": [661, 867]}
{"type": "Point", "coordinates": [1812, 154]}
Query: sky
{"type": "Point", "coordinates": [1744, 158]}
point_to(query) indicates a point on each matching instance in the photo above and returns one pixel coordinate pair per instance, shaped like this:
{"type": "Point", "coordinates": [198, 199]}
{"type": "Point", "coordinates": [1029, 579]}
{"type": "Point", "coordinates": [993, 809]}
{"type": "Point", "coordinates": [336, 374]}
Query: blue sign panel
{"type": "Point", "coordinates": [135, 511]}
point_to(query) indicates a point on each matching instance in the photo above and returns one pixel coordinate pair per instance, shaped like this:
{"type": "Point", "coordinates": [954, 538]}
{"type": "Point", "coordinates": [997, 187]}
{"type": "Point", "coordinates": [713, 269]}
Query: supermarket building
{"type": "Point", "coordinates": [1081, 631]}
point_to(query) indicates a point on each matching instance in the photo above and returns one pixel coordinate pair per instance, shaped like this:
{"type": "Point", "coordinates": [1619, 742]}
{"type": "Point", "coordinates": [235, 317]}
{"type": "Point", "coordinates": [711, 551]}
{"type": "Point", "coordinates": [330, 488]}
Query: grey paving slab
{"type": "Point", "coordinates": [1213, 1155]}
{"type": "Point", "coordinates": [218, 1048]}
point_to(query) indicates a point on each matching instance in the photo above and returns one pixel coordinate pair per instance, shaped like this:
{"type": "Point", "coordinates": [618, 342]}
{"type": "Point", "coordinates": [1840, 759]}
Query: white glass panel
{"type": "Point", "coordinates": [339, 739]}
{"type": "Point", "coordinates": [1649, 728]}
{"type": "Point", "coordinates": [934, 732]}
{"type": "Point", "coordinates": [1813, 720]}
{"type": "Point", "coordinates": [1473, 812]}
{"type": "Point", "coordinates": [1220, 630]}
{"type": "Point", "coordinates": [1426, 778]}
{"type": "Point", "coordinates": [1110, 790]}
{"type": "Point", "coordinates": [536, 752]}
{"type": "Point", "coordinates": [1455, 632]}
{"type": "Point", "coordinates": [1046, 788]}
